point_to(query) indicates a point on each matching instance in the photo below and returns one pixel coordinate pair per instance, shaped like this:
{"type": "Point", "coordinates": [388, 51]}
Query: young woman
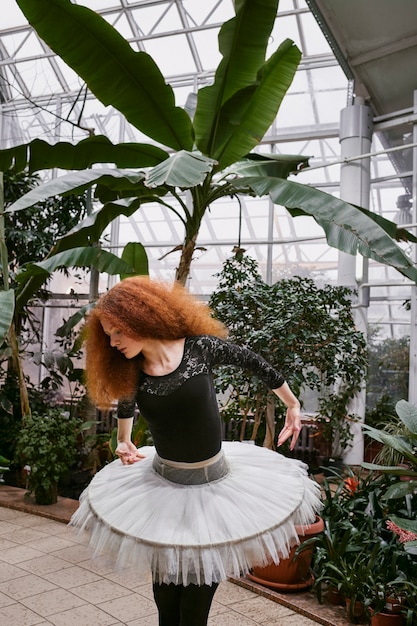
{"type": "Point", "coordinates": [192, 509]}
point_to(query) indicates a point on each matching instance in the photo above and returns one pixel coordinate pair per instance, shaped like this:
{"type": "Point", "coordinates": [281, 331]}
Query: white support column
{"type": "Point", "coordinates": [412, 386]}
{"type": "Point", "coordinates": [355, 138]}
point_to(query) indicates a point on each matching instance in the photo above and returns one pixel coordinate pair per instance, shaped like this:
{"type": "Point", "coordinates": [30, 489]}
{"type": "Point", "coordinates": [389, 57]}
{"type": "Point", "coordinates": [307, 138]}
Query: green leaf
{"type": "Point", "coordinates": [275, 165]}
{"type": "Point", "coordinates": [407, 413]}
{"type": "Point", "coordinates": [34, 275]}
{"type": "Point", "coordinates": [135, 255]}
{"type": "Point", "coordinates": [400, 490]}
{"type": "Point", "coordinates": [117, 75]}
{"type": "Point", "coordinates": [7, 311]}
{"type": "Point", "coordinates": [183, 169]}
{"type": "Point", "coordinates": [394, 441]}
{"type": "Point", "coordinates": [395, 470]}
{"type": "Point", "coordinates": [346, 228]}
{"type": "Point", "coordinates": [89, 230]}
{"type": "Point", "coordinates": [40, 155]}
{"type": "Point", "coordinates": [245, 118]}
{"type": "Point", "coordinates": [405, 524]}
{"type": "Point", "coordinates": [75, 319]}
{"type": "Point", "coordinates": [75, 182]}
{"type": "Point", "coordinates": [102, 260]}
{"type": "Point", "coordinates": [243, 43]}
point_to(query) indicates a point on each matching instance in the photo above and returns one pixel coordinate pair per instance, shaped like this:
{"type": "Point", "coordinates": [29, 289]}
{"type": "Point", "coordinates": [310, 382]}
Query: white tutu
{"type": "Point", "coordinates": [199, 533]}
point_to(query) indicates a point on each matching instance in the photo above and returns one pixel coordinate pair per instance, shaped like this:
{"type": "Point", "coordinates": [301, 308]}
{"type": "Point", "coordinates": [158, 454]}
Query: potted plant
{"type": "Point", "coordinates": [358, 553]}
{"type": "Point", "coordinates": [294, 572]}
{"type": "Point", "coordinates": [47, 443]}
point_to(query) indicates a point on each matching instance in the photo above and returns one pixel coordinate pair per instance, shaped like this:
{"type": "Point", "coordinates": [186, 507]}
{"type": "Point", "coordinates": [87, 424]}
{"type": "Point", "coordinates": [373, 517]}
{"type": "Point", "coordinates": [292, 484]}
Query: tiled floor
{"type": "Point", "coordinates": [47, 576]}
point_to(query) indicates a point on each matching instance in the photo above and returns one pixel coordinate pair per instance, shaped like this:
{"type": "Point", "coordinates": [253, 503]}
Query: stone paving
{"type": "Point", "coordinates": [48, 576]}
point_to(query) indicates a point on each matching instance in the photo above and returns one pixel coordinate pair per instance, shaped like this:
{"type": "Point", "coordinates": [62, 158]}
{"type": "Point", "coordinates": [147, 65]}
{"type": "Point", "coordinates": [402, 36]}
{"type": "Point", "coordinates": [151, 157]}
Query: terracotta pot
{"type": "Point", "coordinates": [394, 604]}
{"type": "Point", "coordinates": [291, 574]}
{"type": "Point", "coordinates": [354, 612]}
{"type": "Point", "coordinates": [335, 597]}
{"type": "Point", "coordinates": [386, 619]}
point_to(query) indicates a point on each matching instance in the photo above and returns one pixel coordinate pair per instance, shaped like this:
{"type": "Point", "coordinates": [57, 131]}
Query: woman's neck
{"type": "Point", "coordinates": [161, 357]}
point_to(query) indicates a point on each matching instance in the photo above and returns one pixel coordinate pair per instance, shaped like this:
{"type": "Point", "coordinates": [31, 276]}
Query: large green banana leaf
{"type": "Point", "coordinates": [183, 169]}
{"type": "Point", "coordinates": [276, 165]}
{"type": "Point", "coordinates": [40, 155]}
{"type": "Point", "coordinates": [75, 182]}
{"type": "Point", "coordinates": [347, 228]}
{"type": "Point", "coordinates": [7, 311]}
{"type": "Point", "coordinates": [134, 255]}
{"type": "Point", "coordinates": [35, 274]}
{"type": "Point", "coordinates": [246, 117]}
{"type": "Point", "coordinates": [243, 42]}
{"type": "Point", "coordinates": [118, 76]}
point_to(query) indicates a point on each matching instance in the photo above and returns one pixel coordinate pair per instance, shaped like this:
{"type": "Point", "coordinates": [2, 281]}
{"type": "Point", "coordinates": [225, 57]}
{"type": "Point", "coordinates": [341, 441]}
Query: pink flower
{"type": "Point", "coordinates": [403, 535]}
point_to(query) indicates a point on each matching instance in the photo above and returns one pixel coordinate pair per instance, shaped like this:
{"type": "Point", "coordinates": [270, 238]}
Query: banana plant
{"type": "Point", "coordinates": [207, 153]}
{"type": "Point", "coordinates": [65, 254]}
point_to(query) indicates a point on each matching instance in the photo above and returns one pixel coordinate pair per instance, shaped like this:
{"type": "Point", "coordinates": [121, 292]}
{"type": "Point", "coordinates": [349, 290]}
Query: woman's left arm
{"type": "Point", "coordinates": [292, 426]}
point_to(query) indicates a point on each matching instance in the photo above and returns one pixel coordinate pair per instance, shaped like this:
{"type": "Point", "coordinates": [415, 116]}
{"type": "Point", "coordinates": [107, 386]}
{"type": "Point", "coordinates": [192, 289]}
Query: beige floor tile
{"type": "Point", "coordinates": [25, 520]}
{"type": "Point", "coordinates": [29, 585]}
{"type": "Point", "coordinates": [7, 514]}
{"type": "Point", "coordinates": [85, 615]}
{"type": "Point", "coordinates": [18, 554]}
{"type": "Point", "coordinates": [18, 615]}
{"type": "Point", "coordinates": [291, 620]}
{"type": "Point", "coordinates": [51, 543]}
{"type": "Point", "coordinates": [6, 527]}
{"type": "Point", "coordinates": [217, 608]}
{"type": "Point", "coordinates": [5, 600]}
{"type": "Point", "coordinates": [149, 620]}
{"type": "Point", "coordinates": [230, 618]}
{"type": "Point", "coordinates": [130, 578]}
{"type": "Point", "coordinates": [101, 565]}
{"type": "Point", "coordinates": [74, 554]}
{"type": "Point", "coordinates": [228, 593]}
{"type": "Point", "coordinates": [145, 590]}
{"type": "Point", "coordinates": [52, 602]}
{"type": "Point", "coordinates": [260, 609]}
{"type": "Point", "coordinates": [6, 543]}
{"type": "Point", "coordinates": [44, 564]}
{"type": "Point", "coordinates": [129, 608]}
{"type": "Point", "coordinates": [48, 526]}
{"type": "Point", "coordinates": [73, 576]}
{"type": "Point", "coordinates": [13, 515]}
{"type": "Point", "coordinates": [8, 572]}
{"type": "Point", "coordinates": [26, 535]}
{"type": "Point", "coordinates": [100, 591]}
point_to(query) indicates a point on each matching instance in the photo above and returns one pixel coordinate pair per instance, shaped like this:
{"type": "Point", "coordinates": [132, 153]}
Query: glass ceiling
{"type": "Point", "coordinates": [41, 97]}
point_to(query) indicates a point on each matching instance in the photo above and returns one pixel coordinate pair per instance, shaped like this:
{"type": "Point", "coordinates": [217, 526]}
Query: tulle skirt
{"type": "Point", "coordinates": [241, 513]}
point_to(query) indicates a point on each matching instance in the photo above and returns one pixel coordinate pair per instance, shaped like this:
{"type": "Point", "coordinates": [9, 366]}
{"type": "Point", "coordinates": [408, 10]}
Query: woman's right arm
{"type": "Point", "coordinates": [126, 449]}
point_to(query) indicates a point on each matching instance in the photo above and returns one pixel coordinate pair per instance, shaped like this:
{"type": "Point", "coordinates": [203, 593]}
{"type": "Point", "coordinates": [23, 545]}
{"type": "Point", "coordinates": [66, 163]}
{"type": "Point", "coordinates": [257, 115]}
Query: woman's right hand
{"type": "Point", "coordinates": [128, 453]}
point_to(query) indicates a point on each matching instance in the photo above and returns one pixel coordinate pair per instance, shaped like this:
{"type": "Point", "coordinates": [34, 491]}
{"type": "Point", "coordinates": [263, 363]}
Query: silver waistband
{"type": "Point", "coordinates": [196, 465]}
{"type": "Point", "coordinates": [199, 473]}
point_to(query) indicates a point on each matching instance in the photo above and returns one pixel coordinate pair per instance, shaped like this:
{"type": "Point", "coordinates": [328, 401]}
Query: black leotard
{"type": "Point", "coordinates": [181, 407]}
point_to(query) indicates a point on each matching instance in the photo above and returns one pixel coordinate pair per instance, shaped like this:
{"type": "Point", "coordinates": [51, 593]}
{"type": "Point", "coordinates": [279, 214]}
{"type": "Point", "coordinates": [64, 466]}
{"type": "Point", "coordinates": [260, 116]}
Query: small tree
{"type": "Point", "coordinates": [305, 331]}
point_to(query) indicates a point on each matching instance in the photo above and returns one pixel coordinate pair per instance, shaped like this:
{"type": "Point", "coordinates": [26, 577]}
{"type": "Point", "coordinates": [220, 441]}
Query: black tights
{"type": "Point", "coordinates": [183, 606]}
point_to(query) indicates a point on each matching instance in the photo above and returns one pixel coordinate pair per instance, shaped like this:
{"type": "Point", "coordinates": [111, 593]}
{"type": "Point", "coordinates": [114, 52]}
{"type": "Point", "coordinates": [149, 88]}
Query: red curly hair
{"type": "Point", "coordinates": [139, 308]}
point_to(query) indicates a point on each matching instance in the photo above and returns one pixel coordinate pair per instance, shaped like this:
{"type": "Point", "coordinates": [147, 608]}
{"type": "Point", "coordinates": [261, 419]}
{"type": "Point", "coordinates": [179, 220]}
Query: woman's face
{"type": "Point", "coordinates": [128, 346]}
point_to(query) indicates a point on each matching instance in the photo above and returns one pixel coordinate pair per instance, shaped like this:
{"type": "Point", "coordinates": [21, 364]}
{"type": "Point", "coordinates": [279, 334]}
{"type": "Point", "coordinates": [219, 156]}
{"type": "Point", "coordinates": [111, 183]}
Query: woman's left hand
{"type": "Point", "coordinates": [292, 427]}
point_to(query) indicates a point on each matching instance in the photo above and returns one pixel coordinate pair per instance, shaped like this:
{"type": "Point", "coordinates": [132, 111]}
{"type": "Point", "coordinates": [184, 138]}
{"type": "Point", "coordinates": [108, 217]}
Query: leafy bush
{"type": "Point", "coordinates": [48, 445]}
{"type": "Point", "coordinates": [305, 331]}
